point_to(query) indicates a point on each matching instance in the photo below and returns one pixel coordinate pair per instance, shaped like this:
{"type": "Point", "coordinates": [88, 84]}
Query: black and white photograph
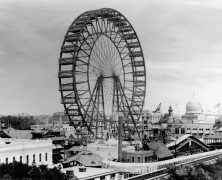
{"type": "Point", "coordinates": [110, 90]}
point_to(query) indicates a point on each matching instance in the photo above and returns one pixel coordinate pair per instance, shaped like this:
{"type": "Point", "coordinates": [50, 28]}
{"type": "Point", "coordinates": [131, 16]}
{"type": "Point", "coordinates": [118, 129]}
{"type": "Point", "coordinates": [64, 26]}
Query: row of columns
{"type": "Point", "coordinates": [108, 177]}
{"type": "Point", "coordinates": [214, 140]}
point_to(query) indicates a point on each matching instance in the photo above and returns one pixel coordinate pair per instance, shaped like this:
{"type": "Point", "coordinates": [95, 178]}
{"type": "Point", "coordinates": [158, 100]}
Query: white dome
{"type": "Point", "coordinates": [194, 107]}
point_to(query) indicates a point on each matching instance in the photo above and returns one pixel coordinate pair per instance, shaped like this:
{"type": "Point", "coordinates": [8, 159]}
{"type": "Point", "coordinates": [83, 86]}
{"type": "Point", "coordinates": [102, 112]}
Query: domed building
{"type": "Point", "coordinates": [194, 112]}
{"type": "Point", "coordinates": [194, 107]}
{"type": "Point", "coordinates": [194, 121]}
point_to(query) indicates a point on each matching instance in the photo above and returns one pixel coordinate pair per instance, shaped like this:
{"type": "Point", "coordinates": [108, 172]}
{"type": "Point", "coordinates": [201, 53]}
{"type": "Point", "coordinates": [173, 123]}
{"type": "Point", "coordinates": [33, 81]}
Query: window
{"type": "Point", "coordinates": [133, 159]}
{"type": "Point", "coordinates": [188, 128]}
{"type": "Point", "coordinates": [182, 130]}
{"type": "Point", "coordinates": [20, 158]}
{"type": "Point", "coordinates": [13, 159]}
{"type": "Point", "coordinates": [194, 128]}
{"type": "Point", "coordinates": [6, 160]}
{"type": "Point", "coordinates": [40, 157]}
{"type": "Point", "coordinates": [34, 158]}
{"type": "Point", "coordinates": [46, 157]}
{"type": "Point", "coordinates": [27, 159]}
{"type": "Point", "coordinates": [176, 130]}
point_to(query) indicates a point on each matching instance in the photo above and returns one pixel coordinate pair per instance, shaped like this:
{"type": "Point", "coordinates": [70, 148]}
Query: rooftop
{"type": "Point", "coordinates": [89, 172]}
{"type": "Point", "coordinates": [214, 136]}
{"type": "Point", "coordinates": [18, 134]}
{"type": "Point", "coordinates": [8, 144]}
{"type": "Point", "coordinates": [86, 158]}
{"type": "Point", "coordinates": [179, 140]}
{"type": "Point", "coordinates": [160, 149]}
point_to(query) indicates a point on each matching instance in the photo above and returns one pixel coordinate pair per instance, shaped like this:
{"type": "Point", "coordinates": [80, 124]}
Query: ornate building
{"type": "Point", "coordinates": [194, 112]}
{"type": "Point", "coordinates": [195, 122]}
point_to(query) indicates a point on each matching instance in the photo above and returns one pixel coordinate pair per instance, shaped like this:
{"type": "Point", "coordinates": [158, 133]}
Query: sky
{"type": "Point", "coordinates": [181, 41]}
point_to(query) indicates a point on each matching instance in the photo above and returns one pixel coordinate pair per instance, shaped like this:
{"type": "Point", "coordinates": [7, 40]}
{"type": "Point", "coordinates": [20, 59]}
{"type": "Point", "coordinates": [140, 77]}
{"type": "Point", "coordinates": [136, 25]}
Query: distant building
{"type": "Point", "coordinates": [23, 115]}
{"type": "Point", "coordinates": [26, 151]}
{"type": "Point", "coordinates": [155, 132]}
{"type": "Point", "coordinates": [43, 119]}
{"type": "Point", "coordinates": [194, 112]}
{"type": "Point", "coordinates": [194, 122]}
{"type": "Point", "coordinates": [64, 129]}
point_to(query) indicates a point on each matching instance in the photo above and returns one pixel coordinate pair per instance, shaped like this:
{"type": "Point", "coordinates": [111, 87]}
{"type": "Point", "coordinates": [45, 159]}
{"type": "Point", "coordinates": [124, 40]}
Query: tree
{"type": "Point", "coordinates": [35, 173]}
{"type": "Point", "coordinates": [187, 172]}
{"type": "Point", "coordinates": [17, 170]}
{"type": "Point", "coordinates": [18, 122]}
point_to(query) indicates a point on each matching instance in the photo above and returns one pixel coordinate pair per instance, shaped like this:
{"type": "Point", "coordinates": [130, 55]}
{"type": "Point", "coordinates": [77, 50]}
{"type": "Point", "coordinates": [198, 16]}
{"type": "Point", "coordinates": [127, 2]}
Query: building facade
{"type": "Point", "coordinates": [194, 121]}
{"type": "Point", "coordinates": [65, 128]}
{"type": "Point", "coordinates": [26, 151]}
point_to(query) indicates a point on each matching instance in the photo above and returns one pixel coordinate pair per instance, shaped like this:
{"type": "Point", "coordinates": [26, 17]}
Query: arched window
{"type": "Point", "coordinates": [40, 157]}
{"type": "Point", "coordinates": [6, 160]}
{"type": "Point", "coordinates": [20, 158]}
{"type": "Point", "coordinates": [13, 159]}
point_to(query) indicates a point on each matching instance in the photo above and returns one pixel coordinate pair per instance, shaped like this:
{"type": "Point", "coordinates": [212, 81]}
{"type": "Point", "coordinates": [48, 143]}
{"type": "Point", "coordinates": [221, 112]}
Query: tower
{"type": "Point", "coordinates": [170, 111]}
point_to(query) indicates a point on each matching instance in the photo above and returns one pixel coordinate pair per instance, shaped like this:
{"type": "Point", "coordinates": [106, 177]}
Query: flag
{"type": "Point", "coordinates": [217, 105]}
{"type": "Point", "coordinates": [158, 109]}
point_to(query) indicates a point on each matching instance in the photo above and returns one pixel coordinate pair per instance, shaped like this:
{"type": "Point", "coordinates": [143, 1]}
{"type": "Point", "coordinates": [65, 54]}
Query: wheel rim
{"type": "Point", "coordinates": [102, 71]}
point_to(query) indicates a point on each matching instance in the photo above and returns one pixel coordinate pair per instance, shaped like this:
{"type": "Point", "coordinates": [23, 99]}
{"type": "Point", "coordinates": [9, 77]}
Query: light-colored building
{"type": "Point", "coordinates": [52, 126]}
{"type": "Point", "coordinates": [194, 112]}
{"type": "Point", "coordinates": [68, 130]}
{"type": "Point", "coordinates": [26, 151]}
{"type": "Point", "coordinates": [195, 122]}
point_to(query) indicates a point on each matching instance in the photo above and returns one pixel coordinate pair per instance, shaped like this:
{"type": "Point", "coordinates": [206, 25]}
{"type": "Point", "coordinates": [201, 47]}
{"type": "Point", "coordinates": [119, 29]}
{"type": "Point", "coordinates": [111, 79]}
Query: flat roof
{"type": "Point", "coordinates": [89, 172]}
{"type": "Point", "coordinates": [8, 144]}
{"type": "Point", "coordinates": [214, 136]}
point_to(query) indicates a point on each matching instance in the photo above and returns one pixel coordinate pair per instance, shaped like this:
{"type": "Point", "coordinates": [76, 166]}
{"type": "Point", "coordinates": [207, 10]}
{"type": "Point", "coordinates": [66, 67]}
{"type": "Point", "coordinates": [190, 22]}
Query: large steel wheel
{"type": "Point", "coordinates": [102, 72]}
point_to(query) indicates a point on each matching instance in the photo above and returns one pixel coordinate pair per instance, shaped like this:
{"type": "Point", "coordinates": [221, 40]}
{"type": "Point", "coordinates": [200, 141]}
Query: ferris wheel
{"type": "Point", "coordinates": [102, 72]}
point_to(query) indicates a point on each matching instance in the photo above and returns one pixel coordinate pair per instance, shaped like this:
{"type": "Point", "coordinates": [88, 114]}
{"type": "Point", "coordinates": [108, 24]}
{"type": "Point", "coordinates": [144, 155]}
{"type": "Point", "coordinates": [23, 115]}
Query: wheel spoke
{"type": "Point", "coordinates": [100, 55]}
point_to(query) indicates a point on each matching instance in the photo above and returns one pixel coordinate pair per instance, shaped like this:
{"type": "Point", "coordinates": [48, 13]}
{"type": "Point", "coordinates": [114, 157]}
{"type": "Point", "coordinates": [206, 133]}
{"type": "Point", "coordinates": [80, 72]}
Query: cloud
{"type": "Point", "coordinates": [181, 40]}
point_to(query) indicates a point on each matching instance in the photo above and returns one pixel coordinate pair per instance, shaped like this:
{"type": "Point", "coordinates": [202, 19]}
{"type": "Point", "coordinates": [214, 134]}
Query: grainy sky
{"type": "Point", "coordinates": [181, 40]}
